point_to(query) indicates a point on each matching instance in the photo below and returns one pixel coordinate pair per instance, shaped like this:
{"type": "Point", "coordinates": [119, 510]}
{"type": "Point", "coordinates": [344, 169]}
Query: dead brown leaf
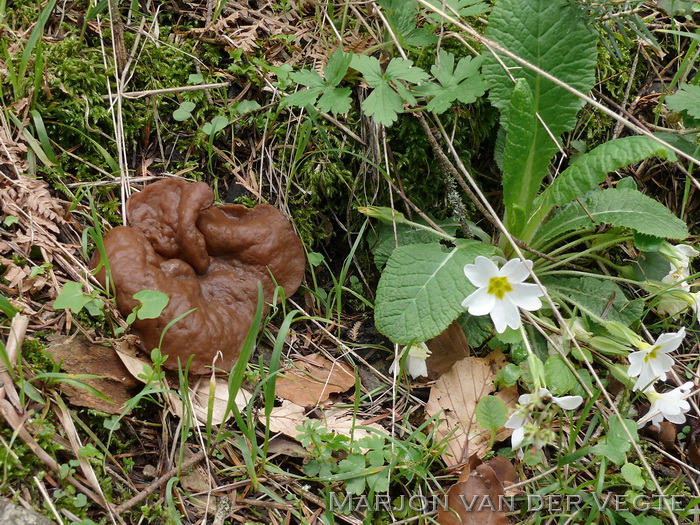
{"type": "Point", "coordinates": [454, 396]}
{"type": "Point", "coordinates": [313, 379]}
{"type": "Point", "coordinates": [477, 498]}
{"type": "Point", "coordinates": [79, 356]}
{"type": "Point", "coordinates": [199, 392]}
{"type": "Point", "coordinates": [446, 349]}
{"type": "Point", "coordinates": [286, 418]}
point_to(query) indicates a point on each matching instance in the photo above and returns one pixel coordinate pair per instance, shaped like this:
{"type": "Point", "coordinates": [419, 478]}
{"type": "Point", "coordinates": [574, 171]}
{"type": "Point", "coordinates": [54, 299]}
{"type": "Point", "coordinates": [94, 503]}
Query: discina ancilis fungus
{"type": "Point", "coordinates": [203, 257]}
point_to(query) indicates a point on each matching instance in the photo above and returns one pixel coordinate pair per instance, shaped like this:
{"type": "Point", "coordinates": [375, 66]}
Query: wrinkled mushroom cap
{"type": "Point", "coordinates": [205, 258]}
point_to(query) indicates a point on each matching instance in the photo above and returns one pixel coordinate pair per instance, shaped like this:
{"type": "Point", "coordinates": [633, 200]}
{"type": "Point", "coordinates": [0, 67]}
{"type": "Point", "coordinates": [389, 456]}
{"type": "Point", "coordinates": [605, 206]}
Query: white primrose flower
{"type": "Point", "coordinates": [415, 360]}
{"type": "Point", "coordinates": [673, 301]}
{"type": "Point", "coordinates": [527, 403]}
{"type": "Point", "coordinates": [653, 362]}
{"type": "Point", "coordinates": [671, 406]}
{"type": "Point", "coordinates": [500, 292]}
{"type": "Point", "coordinates": [679, 256]}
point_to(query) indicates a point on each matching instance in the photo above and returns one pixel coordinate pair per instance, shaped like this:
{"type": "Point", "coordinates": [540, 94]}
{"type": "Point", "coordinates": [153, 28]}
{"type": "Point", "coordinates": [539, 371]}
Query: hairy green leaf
{"type": "Point", "coordinates": [384, 242]}
{"type": "Point", "coordinates": [596, 297]}
{"type": "Point", "coordinates": [308, 77]}
{"type": "Point", "coordinates": [551, 34]}
{"type": "Point", "coordinates": [422, 288]}
{"type": "Point", "coordinates": [477, 328]}
{"type": "Point", "coordinates": [590, 169]}
{"type": "Point", "coordinates": [617, 207]}
{"type": "Point", "coordinates": [526, 156]}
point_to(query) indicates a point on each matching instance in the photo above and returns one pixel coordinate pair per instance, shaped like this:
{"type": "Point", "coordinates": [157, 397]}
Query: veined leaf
{"type": "Point", "coordinates": [686, 100]}
{"type": "Point", "coordinates": [597, 297]}
{"type": "Point", "coordinates": [590, 169]}
{"type": "Point", "coordinates": [463, 82]}
{"type": "Point", "coordinates": [617, 207]}
{"type": "Point", "coordinates": [332, 98]}
{"type": "Point", "coordinates": [422, 288]}
{"type": "Point", "coordinates": [526, 157]}
{"type": "Point", "coordinates": [552, 35]}
{"type": "Point", "coordinates": [384, 242]}
{"type": "Point", "coordinates": [384, 103]}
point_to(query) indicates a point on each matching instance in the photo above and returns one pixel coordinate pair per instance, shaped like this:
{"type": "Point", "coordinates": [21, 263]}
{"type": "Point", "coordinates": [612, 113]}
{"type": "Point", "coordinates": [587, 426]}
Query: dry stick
{"type": "Point", "coordinates": [199, 456]}
{"type": "Point", "coordinates": [165, 91]}
{"type": "Point", "coordinates": [14, 343]}
{"type": "Point", "coordinates": [117, 35]}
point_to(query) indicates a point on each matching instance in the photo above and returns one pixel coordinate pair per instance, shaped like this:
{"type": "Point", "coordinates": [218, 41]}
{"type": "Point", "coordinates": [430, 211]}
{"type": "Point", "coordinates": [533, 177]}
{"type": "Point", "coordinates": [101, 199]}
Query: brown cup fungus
{"type": "Point", "coordinates": [203, 257]}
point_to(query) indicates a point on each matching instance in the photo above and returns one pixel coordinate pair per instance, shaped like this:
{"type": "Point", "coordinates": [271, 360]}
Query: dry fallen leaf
{"type": "Point", "coordinates": [446, 349]}
{"type": "Point", "coordinates": [200, 394]}
{"type": "Point", "coordinates": [313, 379]}
{"type": "Point", "coordinates": [199, 391]}
{"type": "Point", "coordinates": [284, 419]}
{"type": "Point", "coordinates": [454, 397]}
{"type": "Point", "coordinates": [79, 356]}
{"type": "Point", "coordinates": [477, 498]}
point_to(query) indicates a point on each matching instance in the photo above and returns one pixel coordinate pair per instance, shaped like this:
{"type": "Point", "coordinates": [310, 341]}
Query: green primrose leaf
{"type": "Point", "coordinates": [195, 78]}
{"type": "Point", "coordinates": [596, 297]}
{"type": "Point", "coordinates": [152, 302]}
{"type": "Point", "coordinates": [72, 298]}
{"type": "Point", "coordinates": [590, 169]}
{"type": "Point", "coordinates": [553, 35]}
{"type": "Point", "coordinates": [617, 207]}
{"type": "Point", "coordinates": [422, 288]}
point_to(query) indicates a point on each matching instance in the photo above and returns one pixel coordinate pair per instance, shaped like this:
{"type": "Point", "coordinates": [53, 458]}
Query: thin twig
{"type": "Point", "coordinates": [199, 456]}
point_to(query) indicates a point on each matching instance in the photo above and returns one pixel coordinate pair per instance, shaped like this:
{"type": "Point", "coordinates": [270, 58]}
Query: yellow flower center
{"type": "Point", "coordinates": [652, 354]}
{"type": "Point", "coordinates": [499, 286]}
